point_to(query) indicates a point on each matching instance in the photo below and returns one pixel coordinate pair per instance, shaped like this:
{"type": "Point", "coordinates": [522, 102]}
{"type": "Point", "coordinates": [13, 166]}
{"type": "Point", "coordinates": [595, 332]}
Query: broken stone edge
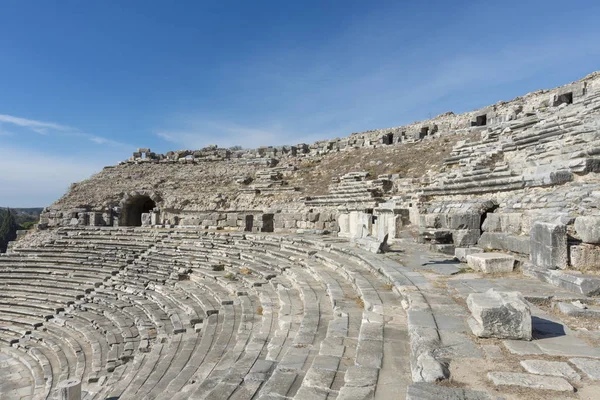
{"type": "Point", "coordinates": [425, 344]}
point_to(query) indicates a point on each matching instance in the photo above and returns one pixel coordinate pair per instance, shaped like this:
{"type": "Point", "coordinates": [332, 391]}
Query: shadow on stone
{"type": "Point", "coordinates": [544, 328]}
{"type": "Point", "coordinates": [452, 262]}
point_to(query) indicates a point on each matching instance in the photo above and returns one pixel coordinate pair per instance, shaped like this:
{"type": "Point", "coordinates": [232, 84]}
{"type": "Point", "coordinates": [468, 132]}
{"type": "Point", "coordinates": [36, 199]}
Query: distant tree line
{"type": "Point", "coordinates": [8, 228]}
{"type": "Point", "coordinates": [10, 222]}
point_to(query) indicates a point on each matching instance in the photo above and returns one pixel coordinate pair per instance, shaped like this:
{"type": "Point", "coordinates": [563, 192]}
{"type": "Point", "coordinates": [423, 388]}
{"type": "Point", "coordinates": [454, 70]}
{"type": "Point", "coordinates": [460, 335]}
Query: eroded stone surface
{"type": "Point", "coordinates": [589, 366]}
{"type": "Point", "coordinates": [588, 228]}
{"type": "Point", "coordinates": [490, 263]}
{"type": "Point", "coordinates": [553, 368]}
{"type": "Point", "coordinates": [431, 391]}
{"type": "Point", "coordinates": [530, 381]}
{"type": "Point", "coordinates": [503, 315]}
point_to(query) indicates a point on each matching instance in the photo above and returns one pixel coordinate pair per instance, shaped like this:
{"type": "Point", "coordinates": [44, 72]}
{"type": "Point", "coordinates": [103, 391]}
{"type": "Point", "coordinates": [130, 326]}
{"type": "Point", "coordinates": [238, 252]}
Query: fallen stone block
{"type": "Point", "coordinates": [489, 263]}
{"type": "Point", "coordinates": [505, 242]}
{"type": "Point", "coordinates": [435, 236]}
{"type": "Point", "coordinates": [461, 253]}
{"type": "Point", "coordinates": [530, 381]}
{"type": "Point", "coordinates": [466, 237]}
{"type": "Point", "coordinates": [549, 245]}
{"type": "Point", "coordinates": [443, 248]}
{"type": "Point", "coordinates": [552, 368]}
{"type": "Point", "coordinates": [578, 309]}
{"type": "Point", "coordinates": [585, 257]}
{"type": "Point", "coordinates": [589, 367]}
{"type": "Point", "coordinates": [372, 244]}
{"type": "Point", "coordinates": [588, 285]}
{"type": "Point", "coordinates": [503, 315]}
{"type": "Point", "coordinates": [588, 228]}
{"type": "Point", "coordinates": [431, 391]}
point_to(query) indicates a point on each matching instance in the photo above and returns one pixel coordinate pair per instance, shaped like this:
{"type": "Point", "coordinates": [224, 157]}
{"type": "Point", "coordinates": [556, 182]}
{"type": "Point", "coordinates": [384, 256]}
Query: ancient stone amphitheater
{"type": "Point", "coordinates": [324, 271]}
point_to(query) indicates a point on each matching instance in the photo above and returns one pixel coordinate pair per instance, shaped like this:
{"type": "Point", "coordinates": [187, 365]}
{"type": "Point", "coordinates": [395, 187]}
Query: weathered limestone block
{"type": "Point", "coordinates": [502, 315]}
{"type": "Point", "coordinates": [586, 284]}
{"type": "Point", "coordinates": [431, 391]}
{"type": "Point", "coordinates": [95, 219]}
{"type": "Point", "coordinates": [464, 220]}
{"type": "Point", "coordinates": [443, 248]}
{"type": "Point", "coordinates": [70, 389]}
{"type": "Point", "coordinates": [585, 257]}
{"type": "Point", "coordinates": [430, 221]}
{"type": "Point", "coordinates": [154, 218]}
{"type": "Point", "coordinates": [549, 245]}
{"type": "Point", "coordinates": [232, 219]}
{"type": "Point", "coordinates": [465, 237]}
{"type": "Point", "coordinates": [461, 253]}
{"type": "Point", "coordinates": [530, 381]}
{"type": "Point", "coordinates": [578, 309]}
{"type": "Point", "coordinates": [510, 222]}
{"type": "Point", "coordinates": [490, 263]}
{"type": "Point", "coordinates": [435, 236]}
{"type": "Point", "coordinates": [372, 244]}
{"type": "Point", "coordinates": [492, 223]}
{"type": "Point", "coordinates": [504, 241]}
{"type": "Point", "coordinates": [588, 228]}
{"type": "Point", "coordinates": [146, 219]}
{"type": "Point", "coordinates": [552, 368]}
{"type": "Point", "coordinates": [313, 216]}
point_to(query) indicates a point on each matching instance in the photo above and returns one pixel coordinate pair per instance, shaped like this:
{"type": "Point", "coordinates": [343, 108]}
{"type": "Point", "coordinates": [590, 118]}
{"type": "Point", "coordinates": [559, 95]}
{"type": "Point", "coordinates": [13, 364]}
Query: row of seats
{"type": "Point", "coordinates": [182, 313]}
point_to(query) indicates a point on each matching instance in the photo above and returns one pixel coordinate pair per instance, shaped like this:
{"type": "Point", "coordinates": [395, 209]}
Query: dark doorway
{"type": "Point", "coordinates": [267, 223]}
{"type": "Point", "coordinates": [388, 138]}
{"type": "Point", "coordinates": [565, 98]}
{"type": "Point", "coordinates": [481, 120]}
{"type": "Point", "coordinates": [249, 223]}
{"type": "Point", "coordinates": [131, 214]}
{"type": "Point", "coordinates": [424, 132]}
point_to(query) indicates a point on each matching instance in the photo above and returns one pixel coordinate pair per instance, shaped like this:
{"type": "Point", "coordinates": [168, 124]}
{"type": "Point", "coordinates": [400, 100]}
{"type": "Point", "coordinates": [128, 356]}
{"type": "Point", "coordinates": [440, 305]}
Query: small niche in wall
{"type": "Point", "coordinates": [481, 120]}
{"type": "Point", "coordinates": [388, 138]}
{"type": "Point", "coordinates": [565, 98]}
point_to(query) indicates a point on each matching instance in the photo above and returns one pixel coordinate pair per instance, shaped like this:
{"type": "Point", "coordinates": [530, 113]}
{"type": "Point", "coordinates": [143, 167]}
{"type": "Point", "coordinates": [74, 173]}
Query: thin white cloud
{"type": "Point", "coordinates": [45, 128]}
{"type": "Point", "coordinates": [40, 127]}
{"type": "Point", "coordinates": [318, 99]}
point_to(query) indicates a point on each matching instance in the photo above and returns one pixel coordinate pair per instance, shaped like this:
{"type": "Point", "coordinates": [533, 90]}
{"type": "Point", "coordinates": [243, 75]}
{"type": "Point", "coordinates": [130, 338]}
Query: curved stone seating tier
{"type": "Point", "coordinates": [40, 390]}
{"type": "Point", "coordinates": [180, 314]}
{"type": "Point", "coordinates": [546, 149]}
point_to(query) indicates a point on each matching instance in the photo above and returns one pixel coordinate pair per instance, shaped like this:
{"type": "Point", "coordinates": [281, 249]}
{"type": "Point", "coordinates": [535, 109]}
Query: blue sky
{"type": "Point", "coordinates": [83, 84]}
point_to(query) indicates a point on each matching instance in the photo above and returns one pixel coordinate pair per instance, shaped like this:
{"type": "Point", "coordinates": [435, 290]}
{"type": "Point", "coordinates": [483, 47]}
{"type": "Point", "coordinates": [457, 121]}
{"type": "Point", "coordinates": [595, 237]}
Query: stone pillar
{"type": "Point", "coordinates": [70, 389]}
{"type": "Point", "coordinates": [549, 245]}
{"type": "Point", "coordinates": [155, 218]}
{"type": "Point", "coordinates": [146, 219]}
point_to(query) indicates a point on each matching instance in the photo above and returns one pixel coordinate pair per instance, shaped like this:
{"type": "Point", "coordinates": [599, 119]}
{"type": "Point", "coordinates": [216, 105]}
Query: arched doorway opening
{"type": "Point", "coordinates": [134, 207]}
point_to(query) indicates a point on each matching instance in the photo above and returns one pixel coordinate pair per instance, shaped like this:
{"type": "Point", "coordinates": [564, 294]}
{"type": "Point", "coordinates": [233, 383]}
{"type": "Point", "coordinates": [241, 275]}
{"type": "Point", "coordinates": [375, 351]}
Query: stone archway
{"type": "Point", "coordinates": [134, 206]}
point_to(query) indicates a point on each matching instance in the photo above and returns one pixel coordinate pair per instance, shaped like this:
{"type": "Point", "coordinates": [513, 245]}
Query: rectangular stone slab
{"type": "Point", "coordinates": [491, 262]}
{"type": "Point", "coordinates": [530, 381]}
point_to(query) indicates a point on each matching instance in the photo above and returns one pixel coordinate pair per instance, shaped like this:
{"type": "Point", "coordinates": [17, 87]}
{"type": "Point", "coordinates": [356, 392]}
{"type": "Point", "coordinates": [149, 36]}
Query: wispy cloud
{"type": "Point", "coordinates": [40, 127]}
{"type": "Point", "coordinates": [324, 97]}
{"type": "Point", "coordinates": [46, 128]}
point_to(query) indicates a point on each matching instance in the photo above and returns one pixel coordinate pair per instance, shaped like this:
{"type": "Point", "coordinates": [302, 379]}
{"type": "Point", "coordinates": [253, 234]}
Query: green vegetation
{"type": "Point", "coordinates": [28, 225]}
{"type": "Point", "coordinates": [8, 229]}
{"type": "Point", "coordinates": [12, 220]}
